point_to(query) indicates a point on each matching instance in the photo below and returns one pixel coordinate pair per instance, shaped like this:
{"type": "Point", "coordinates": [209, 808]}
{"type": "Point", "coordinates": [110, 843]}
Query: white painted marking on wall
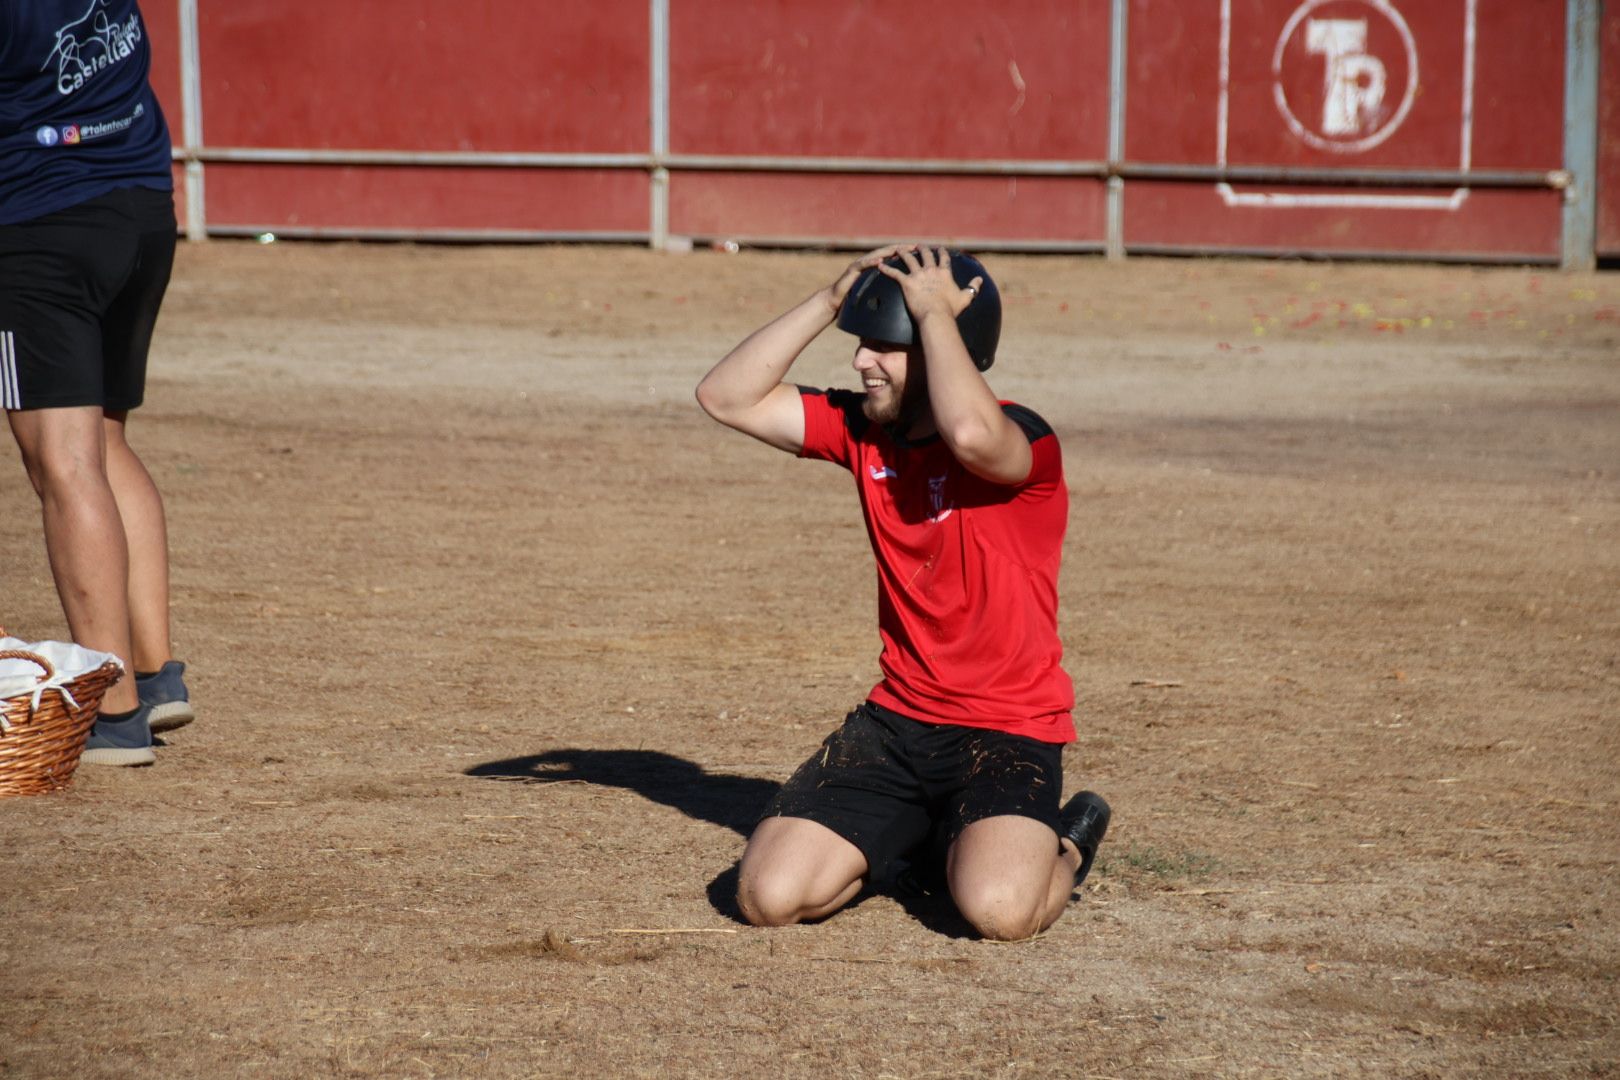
{"type": "Point", "coordinates": [1354, 80]}
{"type": "Point", "coordinates": [1295, 200]}
{"type": "Point", "coordinates": [1342, 43]}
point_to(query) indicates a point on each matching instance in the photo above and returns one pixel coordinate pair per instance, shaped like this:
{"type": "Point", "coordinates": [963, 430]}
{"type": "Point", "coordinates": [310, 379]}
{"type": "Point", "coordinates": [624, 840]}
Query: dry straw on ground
{"type": "Point", "coordinates": [498, 645]}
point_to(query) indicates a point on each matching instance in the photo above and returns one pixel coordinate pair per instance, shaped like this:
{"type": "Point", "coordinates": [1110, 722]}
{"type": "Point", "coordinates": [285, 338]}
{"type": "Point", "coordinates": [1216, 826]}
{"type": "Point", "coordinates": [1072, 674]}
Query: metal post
{"type": "Point", "coordinates": [1580, 133]}
{"type": "Point", "coordinates": [658, 211]}
{"type": "Point", "coordinates": [191, 129]}
{"type": "Point", "coordinates": [1115, 242]}
{"type": "Point", "coordinates": [658, 224]}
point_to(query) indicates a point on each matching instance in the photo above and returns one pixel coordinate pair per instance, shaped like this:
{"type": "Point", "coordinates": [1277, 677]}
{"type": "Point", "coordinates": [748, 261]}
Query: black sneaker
{"type": "Point", "coordinates": [126, 742]}
{"type": "Point", "coordinates": [1085, 820]}
{"type": "Point", "coordinates": [165, 691]}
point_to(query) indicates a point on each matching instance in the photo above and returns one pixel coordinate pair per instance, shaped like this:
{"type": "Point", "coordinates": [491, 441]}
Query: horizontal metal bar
{"type": "Point", "coordinates": [693, 162]}
{"type": "Point", "coordinates": [1338, 255]}
{"type": "Point", "coordinates": [253, 155]}
{"type": "Point", "coordinates": [908, 166]}
{"type": "Point", "coordinates": [428, 235]}
{"type": "Point", "coordinates": [1555, 179]}
{"type": "Point", "coordinates": [867, 243]}
{"type": "Point", "coordinates": [700, 242]}
{"type": "Point", "coordinates": [1269, 174]}
{"type": "Point", "coordinates": [1131, 170]}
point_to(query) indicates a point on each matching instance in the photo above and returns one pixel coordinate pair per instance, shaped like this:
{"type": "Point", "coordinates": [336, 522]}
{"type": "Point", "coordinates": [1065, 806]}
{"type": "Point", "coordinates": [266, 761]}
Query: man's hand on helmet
{"type": "Point", "coordinates": [928, 285]}
{"type": "Point", "coordinates": [839, 289]}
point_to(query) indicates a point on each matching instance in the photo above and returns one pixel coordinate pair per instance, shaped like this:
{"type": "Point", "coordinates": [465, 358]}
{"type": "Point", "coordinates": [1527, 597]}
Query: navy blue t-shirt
{"type": "Point", "coordinates": [77, 114]}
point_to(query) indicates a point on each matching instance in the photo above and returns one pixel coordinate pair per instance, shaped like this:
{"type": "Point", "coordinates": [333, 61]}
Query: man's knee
{"type": "Point", "coordinates": [999, 911]}
{"type": "Point", "coordinates": [796, 869]}
{"type": "Point", "coordinates": [58, 470]}
{"type": "Point", "coordinates": [769, 900]}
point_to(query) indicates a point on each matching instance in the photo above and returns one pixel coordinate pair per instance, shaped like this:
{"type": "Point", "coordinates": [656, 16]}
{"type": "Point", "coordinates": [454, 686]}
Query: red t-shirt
{"type": "Point", "coordinates": [967, 572]}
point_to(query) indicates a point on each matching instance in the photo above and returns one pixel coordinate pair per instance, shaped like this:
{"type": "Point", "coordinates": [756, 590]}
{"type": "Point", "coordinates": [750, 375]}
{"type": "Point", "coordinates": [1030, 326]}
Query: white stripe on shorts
{"type": "Point", "coordinates": [10, 398]}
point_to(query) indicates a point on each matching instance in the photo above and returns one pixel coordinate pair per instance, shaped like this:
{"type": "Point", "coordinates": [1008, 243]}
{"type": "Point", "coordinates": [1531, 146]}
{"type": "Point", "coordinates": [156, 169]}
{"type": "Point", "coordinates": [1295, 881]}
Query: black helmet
{"type": "Point", "coordinates": [876, 308]}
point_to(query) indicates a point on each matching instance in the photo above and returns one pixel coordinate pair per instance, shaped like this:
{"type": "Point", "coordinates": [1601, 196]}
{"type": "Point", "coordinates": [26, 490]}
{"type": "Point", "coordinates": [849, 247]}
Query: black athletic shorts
{"type": "Point", "coordinates": [79, 294]}
{"type": "Point", "coordinates": [890, 784]}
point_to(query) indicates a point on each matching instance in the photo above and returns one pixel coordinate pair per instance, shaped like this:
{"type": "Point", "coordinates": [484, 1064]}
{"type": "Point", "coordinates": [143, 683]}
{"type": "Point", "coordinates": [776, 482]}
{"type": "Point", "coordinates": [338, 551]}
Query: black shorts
{"type": "Point", "coordinates": [890, 784]}
{"type": "Point", "coordinates": [79, 295]}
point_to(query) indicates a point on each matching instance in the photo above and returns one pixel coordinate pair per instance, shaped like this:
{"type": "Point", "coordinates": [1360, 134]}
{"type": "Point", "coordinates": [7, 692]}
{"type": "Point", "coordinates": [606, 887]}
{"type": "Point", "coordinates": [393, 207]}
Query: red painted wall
{"type": "Point", "coordinates": [426, 75]}
{"type": "Point", "coordinates": [945, 80]}
{"type": "Point", "coordinates": [949, 80]}
{"type": "Point", "coordinates": [1608, 218]}
{"type": "Point", "coordinates": [799, 206]}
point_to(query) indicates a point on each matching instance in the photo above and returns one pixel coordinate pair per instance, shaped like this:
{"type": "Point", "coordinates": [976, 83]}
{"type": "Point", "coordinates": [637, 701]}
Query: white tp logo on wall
{"type": "Point", "coordinates": [1330, 84]}
{"type": "Point", "coordinates": [1353, 92]}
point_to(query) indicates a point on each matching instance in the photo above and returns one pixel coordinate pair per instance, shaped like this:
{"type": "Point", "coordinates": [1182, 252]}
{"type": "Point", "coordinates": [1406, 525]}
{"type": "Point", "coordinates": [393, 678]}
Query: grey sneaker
{"type": "Point", "coordinates": [165, 692]}
{"type": "Point", "coordinates": [127, 742]}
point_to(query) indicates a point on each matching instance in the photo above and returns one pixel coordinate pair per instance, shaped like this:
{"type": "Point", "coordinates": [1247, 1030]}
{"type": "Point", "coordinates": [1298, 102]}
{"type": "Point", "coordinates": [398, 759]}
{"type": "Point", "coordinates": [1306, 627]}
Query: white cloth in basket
{"type": "Point", "coordinates": [20, 678]}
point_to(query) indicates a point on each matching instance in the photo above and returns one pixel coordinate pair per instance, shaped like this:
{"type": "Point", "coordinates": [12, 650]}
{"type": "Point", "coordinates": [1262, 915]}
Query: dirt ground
{"type": "Point", "coordinates": [499, 644]}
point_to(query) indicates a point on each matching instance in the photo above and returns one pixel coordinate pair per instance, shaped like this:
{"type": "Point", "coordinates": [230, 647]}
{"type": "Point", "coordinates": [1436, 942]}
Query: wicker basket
{"type": "Point", "coordinates": [40, 748]}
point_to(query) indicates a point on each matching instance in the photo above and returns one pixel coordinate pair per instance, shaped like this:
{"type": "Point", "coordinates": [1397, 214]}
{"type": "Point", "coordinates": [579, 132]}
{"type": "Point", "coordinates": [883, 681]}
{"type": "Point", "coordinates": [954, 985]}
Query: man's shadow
{"type": "Point", "coordinates": [734, 802]}
{"type": "Point", "coordinates": [724, 799]}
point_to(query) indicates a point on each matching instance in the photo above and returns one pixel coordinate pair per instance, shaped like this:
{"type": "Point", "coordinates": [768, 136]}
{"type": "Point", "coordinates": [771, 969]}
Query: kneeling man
{"type": "Point", "coordinates": [957, 750]}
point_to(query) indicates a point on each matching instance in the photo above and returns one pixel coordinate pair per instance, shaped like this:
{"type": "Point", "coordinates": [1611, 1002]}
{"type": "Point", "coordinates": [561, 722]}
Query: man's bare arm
{"type": "Point", "coordinates": [746, 390]}
{"type": "Point", "coordinates": [966, 411]}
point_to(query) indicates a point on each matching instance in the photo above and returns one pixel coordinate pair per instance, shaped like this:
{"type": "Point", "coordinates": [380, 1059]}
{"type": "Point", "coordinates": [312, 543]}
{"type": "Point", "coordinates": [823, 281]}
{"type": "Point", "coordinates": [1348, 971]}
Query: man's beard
{"type": "Point", "coordinates": [899, 412]}
{"type": "Point", "coordinates": [884, 414]}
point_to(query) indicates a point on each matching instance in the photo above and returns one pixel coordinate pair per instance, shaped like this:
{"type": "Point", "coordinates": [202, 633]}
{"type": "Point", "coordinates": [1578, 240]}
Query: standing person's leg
{"type": "Point", "coordinates": [146, 534]}
{"type": "Point", "coordinates": [64, 454]}
{"type": "Point", "coordinates": [127, 325]}
{"type": "Point", "coordinates": [126, 337]}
